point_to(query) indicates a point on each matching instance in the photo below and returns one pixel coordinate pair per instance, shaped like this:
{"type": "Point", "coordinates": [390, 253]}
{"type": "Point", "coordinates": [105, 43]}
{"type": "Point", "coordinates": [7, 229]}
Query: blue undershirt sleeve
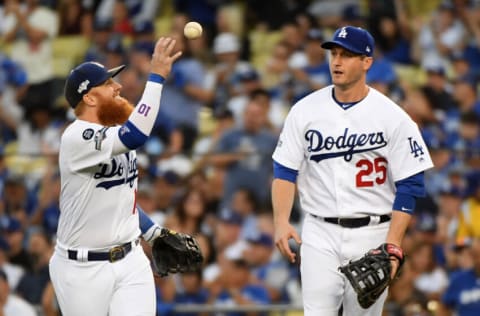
{"type": "Point", "coordinates": [284, 173]}
{"type": "Point", "coordinates": [408, 190]}
{"type": "Point", "coordinates": [145, 222]}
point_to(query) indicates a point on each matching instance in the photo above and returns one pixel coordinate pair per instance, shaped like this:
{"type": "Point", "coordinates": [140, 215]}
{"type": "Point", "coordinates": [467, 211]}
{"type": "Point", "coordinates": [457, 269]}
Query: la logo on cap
{"type": "Point", "coordinates": [343, 33]}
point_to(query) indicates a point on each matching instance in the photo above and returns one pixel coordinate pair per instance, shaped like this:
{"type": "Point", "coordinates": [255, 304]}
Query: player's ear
{"type": "Point", "coordinates": [88, 99]}
{"type": "Point", "coordinates": [367, 62]}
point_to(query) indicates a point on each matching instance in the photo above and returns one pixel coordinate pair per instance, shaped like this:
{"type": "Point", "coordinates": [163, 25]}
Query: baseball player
{"type": "Point", "coordinates": [98, 267]}
{"type": "Point", "coordinates": [354, 156]}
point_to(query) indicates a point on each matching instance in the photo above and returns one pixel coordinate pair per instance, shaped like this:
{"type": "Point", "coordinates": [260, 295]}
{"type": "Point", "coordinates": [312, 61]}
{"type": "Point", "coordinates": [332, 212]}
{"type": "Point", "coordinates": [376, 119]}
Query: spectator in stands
{"type": "Point", "coordinates": [14, 272]}
{"type": "Point", "coordinates": [72, 18]}
{"type": "Point", "coordinates": [188, 217]}
{"type": "Point", "coordinates": [227, 230]}
{"type": "Point", "coordinates": [47, 211]}
{"type": "Point", "coordinates": [245, 152]}
{"type": "Point", "coordinates": [268, 268]}
{"type": "Point", "coordinates": [13, 80]}
{"type": "Point", "coordinates": [466, 96]}
{"type": "Point", "coordinates": [115, 52]}
{"type": "Point", "coordinates": [245, 204]}
{"type": "Point", "coordinates": [136, 10]}
{"type": "Point", "coordinates": [10, 304]}
{"type": "Point", "coordinates": [461, 297]}
{"type": "Point", "coordinates": [469, 217]}
{"type": "Point", "coordinates": [39, 134]}
{"type": "Point", "coordinates": [429, 277]}
{"type": "Point", "coordinates": [14, 235]}
{"type": "Point", "coordinates": [440, 37]}
{"type": "Point", "coordinates": [33, 283]}
{"type": "Point", "coordinates": [165, 185]}
{"type": "Point", "coordinates": [17, 201]}
{"type": "Point", "coordinates": [461, 66]}
{"type": "Point", "coordinates": [247, 81]}
{"type": "Point", "coordinates": [275, 71]}
{"type": "Point", "coordinates": [437, 88]}
{"type": "Point", "coordinates": [236, 288]}
{"type": "Point", "coordinates": [120, 18]}
{"type": "Point", "coordinates": [315, 74]}
{"type": "Point", "coordinates": [31, 32]}
{"type": "Point", "coordinates": [392, 31]}
{"type": "Point", "coordinates": [227, 51]}
{"type": "Point", "coordinates": [205, 145]}
{"type": "Point", "coordinates": [466, 141]}
{"type": "Point", "coordinates": [184, 94]}
{"type": "Point", "coordinates": [102, 33]}
{"type": "Point", "coordinates": [143, 31]}
{"type": "Point", "coordinates": [192, 291]}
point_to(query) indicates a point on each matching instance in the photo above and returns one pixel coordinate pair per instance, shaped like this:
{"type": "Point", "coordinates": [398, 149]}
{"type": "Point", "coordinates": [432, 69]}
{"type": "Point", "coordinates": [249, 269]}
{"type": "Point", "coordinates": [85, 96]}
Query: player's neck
{"type": "Point", "coordinates": [350, 94]}
{"type": "Point", "coordinates": [89, 117]}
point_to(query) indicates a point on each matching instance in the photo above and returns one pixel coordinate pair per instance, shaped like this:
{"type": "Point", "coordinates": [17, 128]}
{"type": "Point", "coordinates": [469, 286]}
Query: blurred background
{"type": "Point", "coordinates": [207, 168]}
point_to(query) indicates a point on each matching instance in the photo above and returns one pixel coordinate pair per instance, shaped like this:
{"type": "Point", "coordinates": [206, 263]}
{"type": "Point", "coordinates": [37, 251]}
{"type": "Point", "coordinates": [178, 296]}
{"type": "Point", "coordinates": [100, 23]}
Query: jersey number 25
{"type": "Point", "coordinates": [371, 172]}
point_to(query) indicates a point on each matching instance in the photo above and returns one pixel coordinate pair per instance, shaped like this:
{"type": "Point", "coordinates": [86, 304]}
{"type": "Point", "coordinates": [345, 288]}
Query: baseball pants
{"type": "Point", "coordinates": [122, 288]}
{"type": "Point", "coordinates": [325, 247]}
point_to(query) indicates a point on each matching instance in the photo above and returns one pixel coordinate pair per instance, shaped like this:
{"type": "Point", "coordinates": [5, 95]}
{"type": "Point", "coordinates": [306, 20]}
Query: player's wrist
{"type": "Point", "coordinates": [156, 77]}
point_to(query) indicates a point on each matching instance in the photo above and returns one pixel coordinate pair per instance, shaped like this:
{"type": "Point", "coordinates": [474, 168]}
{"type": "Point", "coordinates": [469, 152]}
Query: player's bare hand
{"type": "Point", "coordinates": [283, 233]}
{"type": "Point", "coordinates": [163, 56]}
{"type": "Point", "coordinates": [395, 264]}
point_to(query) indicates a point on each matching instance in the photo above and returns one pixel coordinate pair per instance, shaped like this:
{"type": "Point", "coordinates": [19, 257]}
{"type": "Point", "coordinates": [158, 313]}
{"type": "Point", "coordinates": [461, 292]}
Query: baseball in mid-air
{"type": "Point", "coordinates": [192, 30]}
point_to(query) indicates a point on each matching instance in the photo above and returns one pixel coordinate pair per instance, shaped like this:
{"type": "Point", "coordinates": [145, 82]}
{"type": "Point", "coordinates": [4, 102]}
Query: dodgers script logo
{"type": "Point", "coordinates": [116, 169]}
{"type": "Point", "coordinates": [344, 145]}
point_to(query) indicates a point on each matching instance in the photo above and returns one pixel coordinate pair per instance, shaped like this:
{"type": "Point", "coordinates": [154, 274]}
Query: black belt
{"type": "Point", "coordinates": [352, 222]}
{"type": "Point", "coordinates": [114, 254]}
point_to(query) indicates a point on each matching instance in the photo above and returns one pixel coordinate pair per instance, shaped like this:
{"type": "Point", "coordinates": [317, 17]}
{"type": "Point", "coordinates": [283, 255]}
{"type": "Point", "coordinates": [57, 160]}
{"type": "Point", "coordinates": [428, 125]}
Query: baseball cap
{"type": "Point", "coordinates": [229, 217]}
{"type": "Point", "coordinates": [226, 43]}
{"type": "Point", "coordinates": [263, 239]}
{"type": "Point", "coordinates": [4, 244]}
{"type": "Point", "coordinates": [10, 224]}
{"type": "Point", "coordinates": [354, 39]}
{"type": "Point", "coordinates": [85, 77]}
{"type": "Point", "coordinates": [102, 25]}
{"type": "Point", "coordinates": [315, 35]}
{"type": "Point", "coordinates": [143, 27]}
{"type": "Point", "coordinates": [144, 47]}
{"type": "Point", "coordinates": [115, 46]}
{"type": "Point", "coordinates": [248, 75]}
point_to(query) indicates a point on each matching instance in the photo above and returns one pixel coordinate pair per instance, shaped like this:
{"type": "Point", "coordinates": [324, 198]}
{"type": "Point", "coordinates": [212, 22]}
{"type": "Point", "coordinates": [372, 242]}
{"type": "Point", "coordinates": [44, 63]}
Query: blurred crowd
{"type": "Point", "coordinates": [207, 168]}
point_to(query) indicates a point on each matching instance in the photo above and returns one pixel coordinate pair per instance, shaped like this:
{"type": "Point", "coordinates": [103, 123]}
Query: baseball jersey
{"type": "Point", "coordinates": [97, 198]}
{"type": "Point", "coordinates": [350, 157]}
{"type": "Point", "coordinates": [98, 170]}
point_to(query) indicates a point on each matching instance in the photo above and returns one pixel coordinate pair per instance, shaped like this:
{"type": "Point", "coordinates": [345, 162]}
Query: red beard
{"type": "Point", "coordinates": [115, 111]}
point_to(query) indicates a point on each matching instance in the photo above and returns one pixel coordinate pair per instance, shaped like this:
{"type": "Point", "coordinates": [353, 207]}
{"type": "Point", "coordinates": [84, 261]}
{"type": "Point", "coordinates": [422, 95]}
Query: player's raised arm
{"type": "Point", "coordinates": [139, 125]}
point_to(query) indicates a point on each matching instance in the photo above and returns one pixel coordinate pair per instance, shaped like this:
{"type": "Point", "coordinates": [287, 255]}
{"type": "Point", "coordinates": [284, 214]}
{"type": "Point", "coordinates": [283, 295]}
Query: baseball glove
{"type": "Point", "coordinates": [371, 274]}
{"type": "Point", "coordinates": [174, 252]}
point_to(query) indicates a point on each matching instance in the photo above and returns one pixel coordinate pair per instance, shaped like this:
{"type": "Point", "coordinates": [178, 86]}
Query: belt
{"type": "Point", "coordinates": [355, 222]}
{"type": "Point", "coordinates": [114, 254]}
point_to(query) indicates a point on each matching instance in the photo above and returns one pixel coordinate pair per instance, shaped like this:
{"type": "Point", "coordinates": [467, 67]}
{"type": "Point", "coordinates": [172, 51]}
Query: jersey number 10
{"type": "Point", "coordinates": [371, 172]}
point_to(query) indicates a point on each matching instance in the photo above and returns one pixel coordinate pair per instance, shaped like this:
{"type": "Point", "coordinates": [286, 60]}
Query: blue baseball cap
{"type": "Point", "coordinates": [143, 27]}
{"type": "Point", "coordinates": [263, 239]}
{"type": "Point", "coordinates": [354, 39]}
{"type": "Point", "coordinates": [84, 77]}
{"type": "Point", "coordinates": [230, 217]}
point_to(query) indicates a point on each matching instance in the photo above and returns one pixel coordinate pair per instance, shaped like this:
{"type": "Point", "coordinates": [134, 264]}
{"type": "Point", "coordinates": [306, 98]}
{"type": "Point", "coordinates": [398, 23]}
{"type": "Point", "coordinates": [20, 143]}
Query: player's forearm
{"type": "Point", "coordinates": [283, 194]}
{"type": "Point", "coordinates": [398, 227]}
{"type": "Point", "coordinates": [139, 125]}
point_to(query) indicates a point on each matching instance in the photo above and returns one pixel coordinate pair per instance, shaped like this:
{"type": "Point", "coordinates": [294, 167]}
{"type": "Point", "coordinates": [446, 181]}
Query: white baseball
{"type": "Point", "coordinates": [192, 30]}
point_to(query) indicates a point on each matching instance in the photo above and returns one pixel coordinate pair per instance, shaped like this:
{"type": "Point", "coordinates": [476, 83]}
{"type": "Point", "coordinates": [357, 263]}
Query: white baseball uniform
{"type": "Point", "coordinates": [98, 213]}
{"type": "Point", "coordinates": [348, 160]}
